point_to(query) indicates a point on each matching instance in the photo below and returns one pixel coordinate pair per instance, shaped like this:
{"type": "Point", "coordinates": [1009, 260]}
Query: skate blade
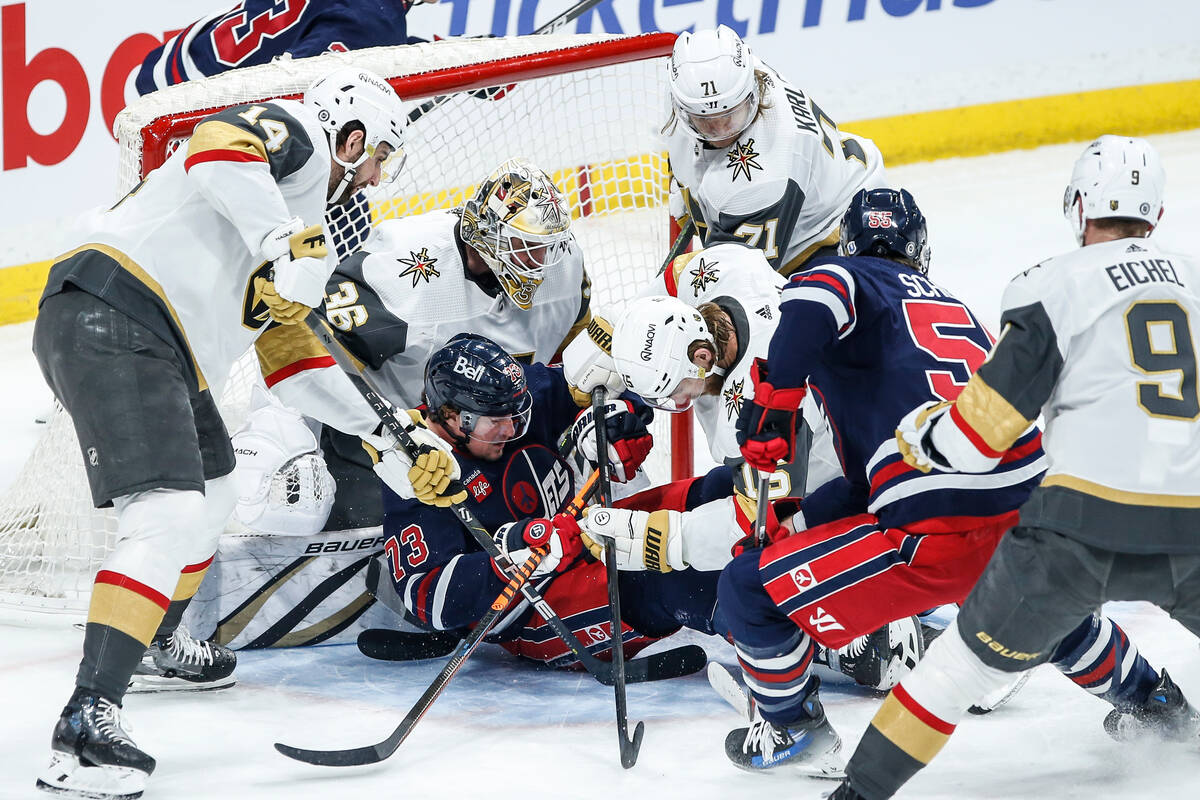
{"type": "Point", "coordinates": [149, 684]}
{"type": "Point", "coordinates": [66, 776]}
{"type": "Point", "coordinates": [725, 685]}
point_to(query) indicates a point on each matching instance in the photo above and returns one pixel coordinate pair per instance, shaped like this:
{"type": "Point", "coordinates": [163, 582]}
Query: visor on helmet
{"type": "Point", "coordinates": [497, 429]}
{"type": "Point", "coordinates": [719, 126]}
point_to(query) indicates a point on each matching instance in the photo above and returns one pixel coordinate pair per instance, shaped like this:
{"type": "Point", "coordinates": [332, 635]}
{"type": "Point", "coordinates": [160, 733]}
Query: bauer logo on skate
{"type": "Point", "coordinates": [1003, 651]}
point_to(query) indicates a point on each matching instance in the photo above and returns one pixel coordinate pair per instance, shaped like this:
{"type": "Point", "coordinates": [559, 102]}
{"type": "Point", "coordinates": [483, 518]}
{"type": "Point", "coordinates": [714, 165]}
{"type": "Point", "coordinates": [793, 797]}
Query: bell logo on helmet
{"type": "Point", "coordinates": [463, 367]}
{"type": "Point", "coordinates": [648, 349]}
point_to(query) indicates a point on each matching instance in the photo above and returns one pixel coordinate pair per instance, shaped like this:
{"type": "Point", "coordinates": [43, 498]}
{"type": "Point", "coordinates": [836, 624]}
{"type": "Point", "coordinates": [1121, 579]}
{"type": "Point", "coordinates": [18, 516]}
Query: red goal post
{"type": "Point", "coordinates": [585, 108]}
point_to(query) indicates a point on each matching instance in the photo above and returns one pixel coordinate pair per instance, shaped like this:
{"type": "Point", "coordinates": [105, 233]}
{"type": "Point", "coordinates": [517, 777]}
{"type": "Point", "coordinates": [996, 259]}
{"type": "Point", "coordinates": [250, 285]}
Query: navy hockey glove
{"type": "Point", "coordinates": [766, 428]}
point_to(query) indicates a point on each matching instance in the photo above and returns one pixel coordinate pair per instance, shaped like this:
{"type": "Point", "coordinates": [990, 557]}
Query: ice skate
{"type": "Point", "coordinates": [1165, 714]}
{"type": "Point", "coordinates": [879, 660]}
{"type": "Point", "coordinates": [91, 754]}
{"type": "Point", "coordinates": [810, 746]}
{"type": "Point", "coordinates": [179, 663]}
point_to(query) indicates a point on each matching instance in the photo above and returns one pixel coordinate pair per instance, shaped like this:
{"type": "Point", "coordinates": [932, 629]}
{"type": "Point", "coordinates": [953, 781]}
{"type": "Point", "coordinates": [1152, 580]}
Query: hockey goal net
{"type": "Point", "coordinates": [585, 108]}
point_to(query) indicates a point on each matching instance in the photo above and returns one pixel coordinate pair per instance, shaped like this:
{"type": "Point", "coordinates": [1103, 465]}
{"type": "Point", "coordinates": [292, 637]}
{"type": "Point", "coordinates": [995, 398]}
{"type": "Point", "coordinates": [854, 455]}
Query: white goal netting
{"type": "Point", "coordinates": [584, 108]}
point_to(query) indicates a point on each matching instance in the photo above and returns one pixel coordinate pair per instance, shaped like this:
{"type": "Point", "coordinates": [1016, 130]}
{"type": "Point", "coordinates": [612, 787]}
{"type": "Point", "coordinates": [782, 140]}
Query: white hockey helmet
{"type": "Point", "coordinates": [349, 94]}
{"type": "Point", "coordinates": [1117, 176]}
{"type": "Point", "coordinates": [714, 91]}
{"type": "Point", "coordinates": [650, 346]}
{"type": "Point", "coordinates": [520, 224]}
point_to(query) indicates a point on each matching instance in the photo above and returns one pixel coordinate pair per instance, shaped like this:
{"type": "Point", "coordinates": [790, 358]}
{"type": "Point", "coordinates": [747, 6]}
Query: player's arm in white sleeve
{"type": "Point", "coordinates": [236, 158]}
{"type": "Point", "coordinates": [1003, 398]}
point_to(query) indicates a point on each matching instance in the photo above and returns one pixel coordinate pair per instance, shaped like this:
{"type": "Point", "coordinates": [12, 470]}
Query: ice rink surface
{"type": "Point", "coordinates": [504, 728]}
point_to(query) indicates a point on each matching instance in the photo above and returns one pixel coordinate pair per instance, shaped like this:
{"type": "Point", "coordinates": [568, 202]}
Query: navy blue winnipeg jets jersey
{"type": "Point", "coordinates": [256, 31]}
{"type": "Point", "coordinates": [875, 339]}
{"type": "Point", "coordinates": [444, 577]}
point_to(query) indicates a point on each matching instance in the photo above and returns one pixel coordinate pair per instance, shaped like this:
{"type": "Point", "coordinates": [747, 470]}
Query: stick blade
{"type": "Point", "coordinates": [686, 660]}
{"type": "Point", "coordinates": [631, 748]}
{"type": "Point", "coordinates": [354, 757]}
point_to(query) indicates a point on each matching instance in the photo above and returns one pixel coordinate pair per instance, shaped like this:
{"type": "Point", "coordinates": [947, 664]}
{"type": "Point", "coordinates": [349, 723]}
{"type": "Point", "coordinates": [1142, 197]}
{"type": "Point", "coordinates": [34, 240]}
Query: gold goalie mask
{"type": "Point", "coordinates": [519, 223]}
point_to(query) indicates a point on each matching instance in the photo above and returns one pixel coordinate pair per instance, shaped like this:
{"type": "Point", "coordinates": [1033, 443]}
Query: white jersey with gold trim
{"type": "Point", "coordinates": [195, 226]}
{"type": "Point", "coordinates": [407, 293]}
{"type": "Point", "coordinates": [1124, 413]}
{"type": "Point", "coordinates": [783, 186]}
{"type": "Point", "coordinates": [739, 280]}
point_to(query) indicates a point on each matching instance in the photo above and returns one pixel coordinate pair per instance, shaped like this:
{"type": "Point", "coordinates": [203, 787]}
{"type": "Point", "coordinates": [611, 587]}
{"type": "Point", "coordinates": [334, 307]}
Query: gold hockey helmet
{"type": "Point", "coordinates": [518, 221]}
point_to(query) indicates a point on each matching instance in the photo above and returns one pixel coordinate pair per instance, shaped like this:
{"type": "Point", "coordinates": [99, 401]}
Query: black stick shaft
{"type": "Point", "coordinates": [629, 747]}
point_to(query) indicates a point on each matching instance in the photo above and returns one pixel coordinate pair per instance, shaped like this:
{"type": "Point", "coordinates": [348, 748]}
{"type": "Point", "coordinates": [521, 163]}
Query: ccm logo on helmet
{"type": "Point", "coordinates": [649, 342]}
{"type": "Point", "coordinates": [463, 367]}
{"type": "Point", "coordinates": [879, 219]}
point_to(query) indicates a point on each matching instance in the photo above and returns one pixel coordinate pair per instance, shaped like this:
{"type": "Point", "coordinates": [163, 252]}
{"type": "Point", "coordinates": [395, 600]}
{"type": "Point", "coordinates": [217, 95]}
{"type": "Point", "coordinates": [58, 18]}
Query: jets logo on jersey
{"type": "Point", "coordinates": [742, 159]}
{"type": "Point", "coordinates": [419, 266]}
{"type": "Point", "coordinates": [703, 275]}
{"type": "Point", "coordinates": [733, 396]}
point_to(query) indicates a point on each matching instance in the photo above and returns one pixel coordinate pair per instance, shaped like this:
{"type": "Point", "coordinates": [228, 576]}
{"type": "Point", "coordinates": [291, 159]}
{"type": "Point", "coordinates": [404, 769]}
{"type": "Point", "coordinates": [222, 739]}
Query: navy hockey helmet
{"type": "Point", "coordinates": [486, 386]}
{"type": "Point", "coordinates": [887, 223]}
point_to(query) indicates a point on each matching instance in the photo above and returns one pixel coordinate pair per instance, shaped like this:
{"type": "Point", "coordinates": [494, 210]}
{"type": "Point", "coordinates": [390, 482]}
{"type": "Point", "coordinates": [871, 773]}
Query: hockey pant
{"type": "Point", "coordinates": [653, 605]}
{"type": "Point", "coordinates": [836, 582]}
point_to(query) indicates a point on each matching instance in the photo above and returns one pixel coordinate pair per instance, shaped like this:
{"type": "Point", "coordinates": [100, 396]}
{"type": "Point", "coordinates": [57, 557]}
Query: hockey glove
{"type": "Point", "coordinates": [299, 263]}
{"type": "Point", "coordinates": [766, 427]}
{"type": "Point", "coordinates": [588, 363]}
{"type": "Point", "coordinates": [426, 478]}
{"type": "Point", "coordinates": [629, 439]}
{"type": "Point", "coordinates": [914, 437]}
{"type": "Point", "coordinates": [561, 535]}
{"type": "Point", "coordinates": [645, 540]}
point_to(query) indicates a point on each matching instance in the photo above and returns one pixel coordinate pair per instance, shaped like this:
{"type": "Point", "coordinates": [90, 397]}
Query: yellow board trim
{"type": "Point", "coordinates": [926, 136]}
{"type": "Point", "coordinates": [1121, 496]}
{"type": "Point", "coordinates": [903, 729]}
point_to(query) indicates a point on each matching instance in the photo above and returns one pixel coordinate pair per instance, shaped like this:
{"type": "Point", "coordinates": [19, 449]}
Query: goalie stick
{"type": "Point", "coordinates": [552, 26]}
{"type": "Point", "coordinates": [629, 746]}
{"type": "Point", "coordinates": [680, 661]}
{"type": "Point", "coordinates": [373, 753]}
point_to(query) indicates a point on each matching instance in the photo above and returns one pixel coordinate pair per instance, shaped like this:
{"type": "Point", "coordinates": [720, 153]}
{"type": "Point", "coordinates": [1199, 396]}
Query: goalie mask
{"type": "Point", "coordinates": [519, 224]}
{"type": "Point", "coordinates": [714, 91]}
{"type": "Point", "coordinates": [1116, 176]}
{"type": "Point", "coordinates": [650, 346]}
{"type": "Point", "coordinates": [346, 95]}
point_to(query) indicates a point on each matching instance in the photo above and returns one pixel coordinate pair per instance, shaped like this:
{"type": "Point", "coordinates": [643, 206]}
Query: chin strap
{"type": "Point", "coordinates": [350, 170]}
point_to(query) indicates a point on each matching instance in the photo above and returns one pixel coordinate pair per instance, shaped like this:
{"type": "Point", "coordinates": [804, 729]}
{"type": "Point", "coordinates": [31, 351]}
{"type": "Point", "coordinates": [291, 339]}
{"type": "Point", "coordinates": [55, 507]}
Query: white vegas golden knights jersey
{"type": "Point", "coordinates": [407, 293]}
{"type": "Point", "coordinates": [783, 186]}
{"type": "Point", "coordinates": [188, 237]}
{"type": "Point", "coordinates": [1123, 417]}
{"type": "Point", "coordinates": [739, 280]}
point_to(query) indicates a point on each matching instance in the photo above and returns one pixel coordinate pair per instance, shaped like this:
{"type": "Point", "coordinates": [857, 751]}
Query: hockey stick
{"type": "Point", "coordinates": [370, 754]}
{"type": "Point", "coordinates": [550, 27]}
{"type": "Point", "coordinates": [629, 747]}
{"type": "Point", "coordinates": [760, 519]}
{"type": "Point", "coordinates": [679, 245]}
{"type": "Point", "coordinates": [658, 666]}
